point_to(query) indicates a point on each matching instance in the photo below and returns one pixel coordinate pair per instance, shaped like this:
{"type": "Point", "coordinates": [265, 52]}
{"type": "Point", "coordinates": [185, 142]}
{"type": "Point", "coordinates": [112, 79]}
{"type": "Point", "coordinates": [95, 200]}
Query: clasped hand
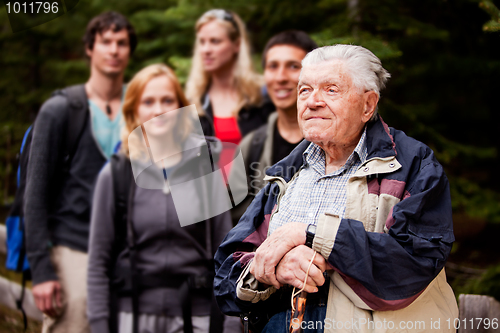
{"type": "Point", "coordinates": [283, 259]}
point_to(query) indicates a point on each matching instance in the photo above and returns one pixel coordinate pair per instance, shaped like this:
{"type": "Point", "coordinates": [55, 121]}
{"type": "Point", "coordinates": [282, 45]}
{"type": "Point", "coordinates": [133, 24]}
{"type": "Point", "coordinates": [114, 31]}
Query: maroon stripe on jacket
{"type": "Point", "coordinates": [243, 257]}
{"type": "Point", "coordinates": [392, 187]}
{"type": "Point", "coordinates": [386, 128]}
{"type": "Point", "coordinates": [374, 187]}
{"type": "Point", "coordinates": [390, 219]}
{"type": "Point", "coordinates": [255, 238]}
{"type": "Point", "coordinates": [260, 234]}
{"type": "Point", "coordinates": [387, 186]}
{"type": "Point", "coordinates": [374, 302]}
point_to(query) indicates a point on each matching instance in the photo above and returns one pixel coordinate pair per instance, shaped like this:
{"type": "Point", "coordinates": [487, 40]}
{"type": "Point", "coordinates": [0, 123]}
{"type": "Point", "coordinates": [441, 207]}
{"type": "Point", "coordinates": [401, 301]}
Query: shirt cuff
{"type": "Point", "coordinates": [326, 232]}
{"type": "Point", "coordinates": [247, 287]}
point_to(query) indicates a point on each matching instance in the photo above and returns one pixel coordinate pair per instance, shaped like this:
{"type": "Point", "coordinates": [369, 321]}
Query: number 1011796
{"type": "Point", "coordinates": [473, 323]}
{"type": "Point", "coordinates": [34, 7]}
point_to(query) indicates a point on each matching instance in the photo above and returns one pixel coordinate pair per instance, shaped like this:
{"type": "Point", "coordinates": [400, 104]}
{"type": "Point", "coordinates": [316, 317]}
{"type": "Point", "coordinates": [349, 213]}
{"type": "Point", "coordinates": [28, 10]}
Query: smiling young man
{"type": "Point", "coordinates": [273, 141]}
{"type": "Point", "coordinates": [60, 182]}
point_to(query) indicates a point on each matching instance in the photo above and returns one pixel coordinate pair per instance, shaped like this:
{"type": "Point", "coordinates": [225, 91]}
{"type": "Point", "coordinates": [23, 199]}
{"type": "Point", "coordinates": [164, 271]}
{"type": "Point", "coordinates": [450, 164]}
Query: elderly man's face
{"type": "Point", "coordinates": [331, 110]}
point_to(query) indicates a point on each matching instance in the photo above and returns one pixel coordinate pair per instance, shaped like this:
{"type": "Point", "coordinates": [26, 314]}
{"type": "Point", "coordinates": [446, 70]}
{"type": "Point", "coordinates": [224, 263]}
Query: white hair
{"type": "Point", "coordinates": [365, 68]}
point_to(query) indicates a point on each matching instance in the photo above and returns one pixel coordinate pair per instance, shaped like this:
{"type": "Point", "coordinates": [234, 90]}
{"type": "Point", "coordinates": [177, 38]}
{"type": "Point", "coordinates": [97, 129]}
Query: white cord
{"type": "Point", "coordinates": [307, 275]}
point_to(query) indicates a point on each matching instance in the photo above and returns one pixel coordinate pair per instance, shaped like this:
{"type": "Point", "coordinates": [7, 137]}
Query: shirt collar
{"type": "Point", "coordinates": [361, 149]}
{"type": "Point", "coordinates": [315, 156]}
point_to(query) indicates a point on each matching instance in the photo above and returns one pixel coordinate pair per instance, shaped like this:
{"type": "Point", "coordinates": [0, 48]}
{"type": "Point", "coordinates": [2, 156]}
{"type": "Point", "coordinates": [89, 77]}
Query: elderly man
{"type": "Point", "coordinates": [356, 199]}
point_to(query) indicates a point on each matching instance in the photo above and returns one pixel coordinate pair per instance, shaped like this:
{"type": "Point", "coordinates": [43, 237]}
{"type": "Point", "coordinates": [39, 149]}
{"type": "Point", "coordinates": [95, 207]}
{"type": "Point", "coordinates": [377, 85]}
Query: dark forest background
{"type": "Point", "coordinates": [443, 56]}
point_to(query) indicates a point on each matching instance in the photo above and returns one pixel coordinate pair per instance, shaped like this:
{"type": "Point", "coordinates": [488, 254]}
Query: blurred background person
{"type": "Point", "coordinates": [273, 141]}
{"type": "Point", "coordinates": [222, 82]}
{"type": "Point", "coordinates": [172, 265]}
{"type": "Point", "coordinates": [58, 194]}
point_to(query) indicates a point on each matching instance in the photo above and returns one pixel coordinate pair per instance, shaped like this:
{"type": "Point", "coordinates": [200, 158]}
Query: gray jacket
{"type": "Point", "coordinates": [165, 248]}
{"type": "Point", "coordinates": [257, 170]}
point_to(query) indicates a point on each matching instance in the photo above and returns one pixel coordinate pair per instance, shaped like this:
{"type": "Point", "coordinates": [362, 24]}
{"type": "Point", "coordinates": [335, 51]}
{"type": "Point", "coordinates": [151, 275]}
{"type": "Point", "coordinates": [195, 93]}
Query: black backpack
{"type": "Point", "coordinates": [127, 281]}
{"type": "Point", "coordinates": [16, 247]}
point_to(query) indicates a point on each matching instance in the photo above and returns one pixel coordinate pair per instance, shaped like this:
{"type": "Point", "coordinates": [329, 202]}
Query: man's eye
{"type": "Point", "coordinates": [303, 91]}
{"type": "Point", "coordinates": [296, 66]}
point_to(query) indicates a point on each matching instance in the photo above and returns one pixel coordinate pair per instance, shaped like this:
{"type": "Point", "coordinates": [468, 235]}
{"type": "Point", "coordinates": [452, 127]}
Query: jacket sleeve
{"type": "Point", "coordinates": [102, 235]}
{"type": "Point", "coordinates": [387, 271]}
{"type": "Point", "coordinates": [48, 136]}
{"type": "Point", "coordinates": [236, 251]}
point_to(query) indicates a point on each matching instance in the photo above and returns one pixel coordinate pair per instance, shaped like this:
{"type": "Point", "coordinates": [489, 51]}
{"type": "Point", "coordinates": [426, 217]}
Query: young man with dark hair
{"type": "Point", "coordinates": [60, 181]}
{"type": "Point", "coordinates": [273, 141]}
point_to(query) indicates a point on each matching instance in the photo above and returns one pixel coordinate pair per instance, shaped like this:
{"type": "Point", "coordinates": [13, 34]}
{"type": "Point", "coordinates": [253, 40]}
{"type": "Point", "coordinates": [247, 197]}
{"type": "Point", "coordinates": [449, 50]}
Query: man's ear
{"type": "Point", "coordinates": [371, 100]}
{"type": "Point", "coordinates": [88, 52]}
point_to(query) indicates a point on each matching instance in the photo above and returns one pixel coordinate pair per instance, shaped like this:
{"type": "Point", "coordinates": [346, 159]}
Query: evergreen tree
{"type": "Point", "coordinates": [444, 68]}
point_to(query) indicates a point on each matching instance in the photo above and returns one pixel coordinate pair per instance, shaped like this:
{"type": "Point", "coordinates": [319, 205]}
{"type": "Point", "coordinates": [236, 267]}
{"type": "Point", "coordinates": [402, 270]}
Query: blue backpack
{"type": "Point", "coordinates": [16, 248]}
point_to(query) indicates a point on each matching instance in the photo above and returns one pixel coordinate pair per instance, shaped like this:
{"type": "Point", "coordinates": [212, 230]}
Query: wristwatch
{"type": "Point", "coordinates": [310, 233]}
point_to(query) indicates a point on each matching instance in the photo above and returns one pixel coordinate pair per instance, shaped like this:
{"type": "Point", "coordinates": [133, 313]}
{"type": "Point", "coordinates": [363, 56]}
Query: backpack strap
{"type": "Point", "coordinates": [121, 172]}
{"type": "Point", "coordinates": [17, 206]}
{"type": "Point", "coordinates": [78, 112]}
{"type": "Point", "coordinates": [125, 236]}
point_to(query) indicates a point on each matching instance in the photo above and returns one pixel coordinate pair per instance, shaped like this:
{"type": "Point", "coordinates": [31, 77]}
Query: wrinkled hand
{"type": "Point", "coordinates": [48, 297]}
{"type": "Point", "coordinates": [270, 252]}
{"type": "Point", "coordinates": [292, 269]}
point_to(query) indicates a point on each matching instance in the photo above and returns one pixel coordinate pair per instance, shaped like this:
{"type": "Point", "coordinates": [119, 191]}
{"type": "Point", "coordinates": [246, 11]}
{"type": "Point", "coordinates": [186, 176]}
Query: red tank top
{"type": "Point", "coordinates": [227, 130]}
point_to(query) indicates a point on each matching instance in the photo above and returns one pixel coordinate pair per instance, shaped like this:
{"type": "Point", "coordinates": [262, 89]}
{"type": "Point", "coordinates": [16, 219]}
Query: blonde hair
{"type": "Point", "coordinates": [135, 89]}
{"type": "Point", "coordinates": [246, 81]}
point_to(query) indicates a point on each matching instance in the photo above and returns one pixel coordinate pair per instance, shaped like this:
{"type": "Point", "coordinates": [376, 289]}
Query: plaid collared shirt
{"type": "Point", "coordinates": [312, 192]}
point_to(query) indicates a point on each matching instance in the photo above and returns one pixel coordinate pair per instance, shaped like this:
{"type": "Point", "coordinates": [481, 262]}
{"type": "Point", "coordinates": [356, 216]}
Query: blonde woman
{"type": "Point", "coordinates": [222, 83]}
{"type": "Point", "coordinates": [146, 272]}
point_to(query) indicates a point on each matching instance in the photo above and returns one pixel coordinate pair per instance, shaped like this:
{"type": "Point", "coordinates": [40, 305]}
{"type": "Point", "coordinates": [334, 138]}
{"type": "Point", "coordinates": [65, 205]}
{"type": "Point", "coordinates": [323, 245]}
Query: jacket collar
{"type": "Point", "coordinates": [379, 144]}
{"type": "Point", "coordinates": [379, 140]}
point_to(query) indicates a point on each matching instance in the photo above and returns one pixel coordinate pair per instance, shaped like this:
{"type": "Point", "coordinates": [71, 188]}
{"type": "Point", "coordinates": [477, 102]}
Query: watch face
{"type": "Point", "coordinates": [311, 228]}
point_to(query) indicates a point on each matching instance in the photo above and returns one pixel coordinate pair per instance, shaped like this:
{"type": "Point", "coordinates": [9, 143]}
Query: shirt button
{"type": "Point", "coordinates": [311, 214]}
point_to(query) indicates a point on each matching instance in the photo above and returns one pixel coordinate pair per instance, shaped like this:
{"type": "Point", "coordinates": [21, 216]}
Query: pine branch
{"type": "Point", "coordinates": [491, 26]}
{"type": "Point", "coordinates": [490, 8]}
{"type": "Point", "coordinates": [494, 12]}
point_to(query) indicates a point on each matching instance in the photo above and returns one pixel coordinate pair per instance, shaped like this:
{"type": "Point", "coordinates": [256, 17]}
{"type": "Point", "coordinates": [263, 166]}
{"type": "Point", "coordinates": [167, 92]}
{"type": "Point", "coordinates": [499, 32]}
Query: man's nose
{"type": "Point", "coordinates": [316, 100]}
{"type": "Point", "coordinates": [281, 74]}
{"type": "Point", "coordinates": [114, 47]}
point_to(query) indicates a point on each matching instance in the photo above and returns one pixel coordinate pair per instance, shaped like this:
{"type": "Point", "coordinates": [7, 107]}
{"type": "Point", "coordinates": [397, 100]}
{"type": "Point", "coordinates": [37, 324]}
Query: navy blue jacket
{"type": "Point", "coordinates": [387, 265]}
